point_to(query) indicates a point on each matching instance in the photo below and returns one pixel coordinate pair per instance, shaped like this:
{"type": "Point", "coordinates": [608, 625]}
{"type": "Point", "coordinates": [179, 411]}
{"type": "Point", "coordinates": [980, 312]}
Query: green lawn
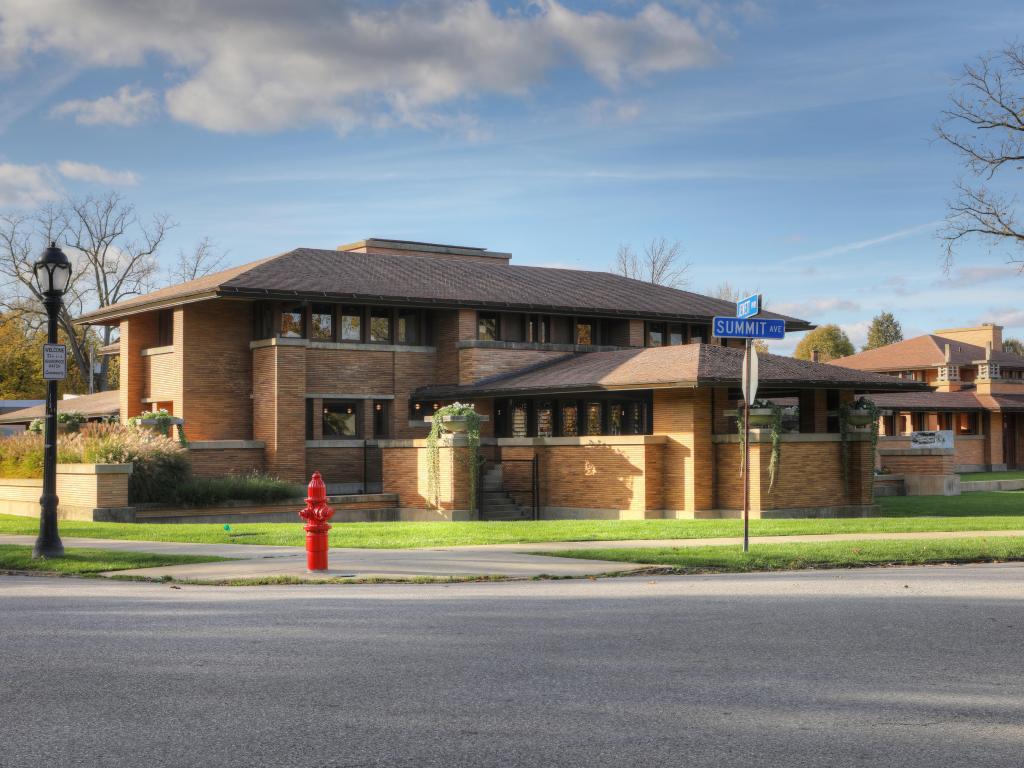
{"type": "Point", "coordinates": [972, 512]}
{"type": "Point", "coordinates": [1011, 475]}
{"type": "Point", "coordinates": [85, 561]}
{"type": "Point", "coordinates": [785, 557]}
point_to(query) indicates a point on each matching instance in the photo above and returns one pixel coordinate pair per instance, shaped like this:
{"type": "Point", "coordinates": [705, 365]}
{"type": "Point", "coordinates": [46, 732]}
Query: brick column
{"type": "Point", "coordinates": [279, 408]}
{"type": "Point", "coordinates": [136, 334]}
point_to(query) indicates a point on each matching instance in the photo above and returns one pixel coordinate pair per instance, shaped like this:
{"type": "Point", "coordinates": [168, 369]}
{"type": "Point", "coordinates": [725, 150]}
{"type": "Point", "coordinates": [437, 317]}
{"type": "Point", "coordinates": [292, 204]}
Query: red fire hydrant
{"type": "Point", "coordinates": [316, 514]}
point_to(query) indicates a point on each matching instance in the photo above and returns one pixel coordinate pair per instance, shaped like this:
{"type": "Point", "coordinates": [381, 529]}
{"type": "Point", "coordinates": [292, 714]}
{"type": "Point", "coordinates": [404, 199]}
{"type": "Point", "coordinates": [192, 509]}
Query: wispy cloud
{"type": "Point", "coordinates": [128, 107]}
{"type": "Point", "coordinates": [860, 245]}
{"type": "Point", "coordinates": [96, 174]}
{"type": "Point", "coordinates": [970, 276]}
{"type": "Point", "coordinates": [815, 306]}
{"type": "Point", "coordinates": [264, 67]}
{"type": "Point", "coordinates": [26, 186]}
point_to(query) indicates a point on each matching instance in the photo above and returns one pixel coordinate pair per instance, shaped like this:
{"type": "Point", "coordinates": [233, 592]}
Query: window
{"type": "Point", "coordinates": [655, 334]}
{"type": "Point", "coordinates": [380, 326]}
{"type": "Point", "coordinates": [676, 334]}
{"type": "Point", "coordinates": [486, 326]}
{"type": "Point", "coordinates": [585, 332]}
{"type": "Point", "coordinates": [351, 323]}
{"type": "Point", "coordinates": [594, 413]}
{"type": "Point", "coordinates": [341, 419]}
{"type": "Point", "coordinates": [520, 419]}
{"type": "Point", "coordinates": [570, 420]}
{"type": "Point", "coordinates": [616, 416]}
{"type": "Point", "coordinates": [321, 322]}
{"type": "Point", "coordinates": [917, 421]}
{"type": "Point", "coordinates": [165, 328]}
{"type": "Point", "coordinates": [945, 421]}
{"type": "Point", "coordinates": [408, 326]}
{"type": "Point", "coordinates": [967, 424]}
{"type": "Point", "coordinates": [700, 334]}
{"type": "Point", "coordinates": [889, 424]}
{"type": "Point", "coordinates": [262, 320]}
{"type": "Point", "coordinates": [293, 325]}
{"type": "Point", "coordinates": [381, 422]}
{"type": "Point", "coordinates": [545, 419]}
{"type": "Point", "coordinates": [636, 425]}
{"type": "Point", "coordinates": [537, 329]}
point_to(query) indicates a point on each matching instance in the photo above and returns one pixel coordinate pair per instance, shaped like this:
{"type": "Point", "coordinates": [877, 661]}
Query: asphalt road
{"type": "Point", "coordinates": [894, 667]}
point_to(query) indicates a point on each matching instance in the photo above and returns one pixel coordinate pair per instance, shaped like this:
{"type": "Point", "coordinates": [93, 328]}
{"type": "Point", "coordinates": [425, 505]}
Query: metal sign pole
{"type": "Point", "coordinates": [746, 448]}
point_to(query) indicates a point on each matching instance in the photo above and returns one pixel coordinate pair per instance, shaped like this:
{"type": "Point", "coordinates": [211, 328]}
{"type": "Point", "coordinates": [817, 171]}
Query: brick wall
{"type": "Point", "coordinates": [594, 477]}
{"type": "Point", "coordinates": [970, 450]}
{"type": "Point", "coordinates": [687, 465]}
{"type": "Point", "coordinates": [477, 363]}
{"type": "Point", "coordinates": [136, 333]}
{"type": "Point", "coordinates": [336, 465]}
{"type": "Point", "coordinates": [405, 474]}
{"type": "Point", "coordinates": [161, 376]}
{"type": "Point", "coordinates": [81, 488]}
{"type": "Point", "coordinates": [355, 371]}
{"type": "Point", "coordinates": [446, 335]}
{"type": "Point", "coordinates": [279, 408]}
{"type": "Point", "coordinates": [216, 370]}
{"type": "Point", "coordinates": [918, 461]}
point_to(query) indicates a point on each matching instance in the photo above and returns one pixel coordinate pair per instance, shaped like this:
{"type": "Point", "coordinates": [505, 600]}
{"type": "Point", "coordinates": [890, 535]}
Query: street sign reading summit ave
{"type": "Point", "coordinates": [55, 362]}
{"type": "Point", "coordinates": [748, 328]}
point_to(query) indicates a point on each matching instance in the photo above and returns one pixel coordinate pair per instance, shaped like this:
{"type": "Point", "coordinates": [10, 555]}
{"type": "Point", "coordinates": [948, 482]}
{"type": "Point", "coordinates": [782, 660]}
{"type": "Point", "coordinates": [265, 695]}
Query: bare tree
{"type": "Point", "coordinates": [113, 254]}
{"type": "Point", "coordinates": [660, 263]}
{"type": "Point", "coordinates": [985, 124]}
{"type": "Point", "coordinates": [202, 260]}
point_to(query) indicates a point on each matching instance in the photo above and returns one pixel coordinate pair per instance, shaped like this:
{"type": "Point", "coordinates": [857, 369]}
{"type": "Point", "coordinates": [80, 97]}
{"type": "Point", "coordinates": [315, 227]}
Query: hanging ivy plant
{"type": "Point", "coordinates": [160, 421]}
{"type": "Point", "coordinates": [433, 454]}
{"type": "Point", "coordinates": [847, 412]}
{"type": "Point", "coordinates": [776, 433]}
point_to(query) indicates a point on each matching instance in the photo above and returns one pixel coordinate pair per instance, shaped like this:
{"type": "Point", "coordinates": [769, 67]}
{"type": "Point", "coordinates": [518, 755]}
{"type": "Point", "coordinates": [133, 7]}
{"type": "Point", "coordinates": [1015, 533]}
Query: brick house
{"type": "Point", "coordinates": [336, 361]}
{"type": "Point", "coordinates": [976, 390]}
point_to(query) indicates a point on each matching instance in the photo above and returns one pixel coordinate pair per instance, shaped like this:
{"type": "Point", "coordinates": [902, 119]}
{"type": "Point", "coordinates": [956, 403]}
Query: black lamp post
{"type": "Point", "coordinates": [53, 272]}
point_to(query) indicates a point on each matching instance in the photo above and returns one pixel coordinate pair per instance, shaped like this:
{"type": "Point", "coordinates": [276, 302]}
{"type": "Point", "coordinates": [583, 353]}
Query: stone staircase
{"type": "Point", "coordinates": [495, 503]}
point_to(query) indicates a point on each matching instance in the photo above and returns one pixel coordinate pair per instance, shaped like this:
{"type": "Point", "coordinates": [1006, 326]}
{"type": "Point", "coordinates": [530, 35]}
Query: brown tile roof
{"type": "Point", "coordinates": [967, 400]}
{"type": "Point", "coordinates": [925, 351]}
{"type": "Point", "coordinates": [308, 273]}
{"type": "Point", "coordinates": [686, 366]}
{"type": "Point", "coordinates": [93, 406]}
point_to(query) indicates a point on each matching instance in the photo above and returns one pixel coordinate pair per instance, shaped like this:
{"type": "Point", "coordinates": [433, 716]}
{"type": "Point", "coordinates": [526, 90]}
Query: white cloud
{"type": "Point", "coordinates": [128, 107]}
{"type": "Point", "coordinates": [969, 276]}
{"type": "Point", "coordinates": [263, 65]}
{"type": "Point", "coordinates": [96, 174]}
{"type": "Point", "coordinates": [858, 332]}
{"type": "Point", "coordinates": [1005, 316]}
{"type": "Point", "coordinates": [26, 186]}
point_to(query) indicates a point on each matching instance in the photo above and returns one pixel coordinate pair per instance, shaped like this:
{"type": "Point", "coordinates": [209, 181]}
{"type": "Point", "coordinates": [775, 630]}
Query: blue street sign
{"type": "Point", "coordinates": [748, 328]}
{"type": "Point", "coordinates": [749, 306]}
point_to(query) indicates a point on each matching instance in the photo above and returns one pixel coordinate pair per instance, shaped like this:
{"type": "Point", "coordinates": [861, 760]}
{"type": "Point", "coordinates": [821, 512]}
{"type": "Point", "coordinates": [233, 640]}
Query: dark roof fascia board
{"type": "Point", "coordinates": [105, 317]}
{"type": "Point", "coordinates": [859, 386]}
{"type": "Point", "coordinates": [254, 293]}
{"type": "Point", "coordinates": [472, 390]}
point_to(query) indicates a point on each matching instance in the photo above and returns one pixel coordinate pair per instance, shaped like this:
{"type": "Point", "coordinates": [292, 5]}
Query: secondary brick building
{"type": "Point", "coordinates": [976, 391]}
{"type": "Point", "coordinates": [336, 360]}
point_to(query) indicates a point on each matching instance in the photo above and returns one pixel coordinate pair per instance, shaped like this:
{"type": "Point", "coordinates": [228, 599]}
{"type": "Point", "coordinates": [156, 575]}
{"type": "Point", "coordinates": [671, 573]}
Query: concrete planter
{"type": "Point", "coordinates": [761, 417]}
{"type": "Point", "coordinates": [860, 418]}
{"type": "Point", "coordinates": [456, 424]}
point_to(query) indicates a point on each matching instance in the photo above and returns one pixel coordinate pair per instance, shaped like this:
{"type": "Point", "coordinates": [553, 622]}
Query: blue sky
{"type": "Point", "coordinates": [788, 145]}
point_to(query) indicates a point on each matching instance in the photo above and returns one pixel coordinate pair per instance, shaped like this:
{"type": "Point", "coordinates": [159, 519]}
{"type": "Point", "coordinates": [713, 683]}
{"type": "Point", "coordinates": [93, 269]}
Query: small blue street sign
{"type": "Point", "coordinates": [749, 306]}
{"type": "Point", "coordinates": [748, 328]}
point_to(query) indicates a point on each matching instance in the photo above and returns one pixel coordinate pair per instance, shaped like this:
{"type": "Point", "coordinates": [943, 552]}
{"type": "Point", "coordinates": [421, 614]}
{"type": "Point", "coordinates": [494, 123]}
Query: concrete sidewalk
{"type": "Point", "coordinates": [516, 561]}
{"type": "Point", "coordinates": [258, 561]}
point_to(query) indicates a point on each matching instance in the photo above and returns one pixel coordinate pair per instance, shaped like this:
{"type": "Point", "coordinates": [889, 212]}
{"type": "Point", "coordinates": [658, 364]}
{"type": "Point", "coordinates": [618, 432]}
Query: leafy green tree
{"type": "Point", "coordinates": [830, 342]}
{"type": "Point", "coordinates": [1016, 346]}
{"type": "Point", "coordinates": [21, 367]}
{"type": "Point", "coordinates": [885, 329]}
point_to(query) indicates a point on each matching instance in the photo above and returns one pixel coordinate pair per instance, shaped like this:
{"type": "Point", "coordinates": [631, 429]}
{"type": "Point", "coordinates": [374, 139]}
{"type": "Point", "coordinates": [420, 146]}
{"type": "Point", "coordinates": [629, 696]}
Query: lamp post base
{"type": "Point", "coordinates": [48, 543]}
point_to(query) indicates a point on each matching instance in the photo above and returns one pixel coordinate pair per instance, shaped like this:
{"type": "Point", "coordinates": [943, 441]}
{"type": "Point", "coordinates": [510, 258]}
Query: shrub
{"type": "Point", "coordinates": [73, 420]}
{"type": "Point", "coordinates": [204, 491]}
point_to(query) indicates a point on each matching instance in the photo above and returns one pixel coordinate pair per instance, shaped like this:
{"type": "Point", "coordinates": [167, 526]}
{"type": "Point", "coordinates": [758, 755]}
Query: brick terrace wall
{"type": "Point", "coordinates": [969, 450]}
{"type": "Point", "coordinates": [81, 488]}
{"type": "Point", "coordinates": [405, 474]}
{"type": "Point", "coordinates": [809, 476]}
{"type": "Point", "coordinates": [216, 370]}
{"type": "Point", "coordinates": [918, 461]}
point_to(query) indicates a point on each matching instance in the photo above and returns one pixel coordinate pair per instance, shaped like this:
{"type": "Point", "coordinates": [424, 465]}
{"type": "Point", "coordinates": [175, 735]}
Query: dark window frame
{"type": "Point", "coordinates": [356, 406]}
{"type": "Point", "coordinates": [493, 317]}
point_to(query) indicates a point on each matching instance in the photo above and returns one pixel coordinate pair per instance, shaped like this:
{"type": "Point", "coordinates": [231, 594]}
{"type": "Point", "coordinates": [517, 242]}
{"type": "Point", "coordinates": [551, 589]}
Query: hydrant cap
{"type": "Point", "coordinates": [317, 491]}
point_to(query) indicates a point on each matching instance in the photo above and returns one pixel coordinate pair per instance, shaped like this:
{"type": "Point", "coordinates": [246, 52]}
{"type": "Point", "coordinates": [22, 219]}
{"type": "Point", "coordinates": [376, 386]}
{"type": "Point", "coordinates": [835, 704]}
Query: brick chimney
{"type": "Point", "coordinates": [979, 336]}
{"type": "Point", "coordinates": [429, 250]}
{"type": "Point", "coordinates": [815, 356]}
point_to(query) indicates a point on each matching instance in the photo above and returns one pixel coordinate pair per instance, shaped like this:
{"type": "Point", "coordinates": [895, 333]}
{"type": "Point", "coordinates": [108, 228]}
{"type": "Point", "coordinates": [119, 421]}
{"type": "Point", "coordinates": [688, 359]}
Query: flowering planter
{"type": "Point", "coordinates": [860, 418]}
{"type": "Point", "coordinates": [761, 417]}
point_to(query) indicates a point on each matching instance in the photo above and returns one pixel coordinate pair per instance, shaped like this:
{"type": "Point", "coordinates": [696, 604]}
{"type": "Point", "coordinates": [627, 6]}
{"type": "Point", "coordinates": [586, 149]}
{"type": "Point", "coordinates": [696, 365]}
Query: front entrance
{"type": "Point", "coordinates": [1010, 452]}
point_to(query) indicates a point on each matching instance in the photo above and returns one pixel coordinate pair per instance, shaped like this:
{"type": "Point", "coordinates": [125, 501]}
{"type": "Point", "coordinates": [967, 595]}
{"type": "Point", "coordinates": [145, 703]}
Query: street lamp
{"type": "Point", "coordinates": [53, 273]}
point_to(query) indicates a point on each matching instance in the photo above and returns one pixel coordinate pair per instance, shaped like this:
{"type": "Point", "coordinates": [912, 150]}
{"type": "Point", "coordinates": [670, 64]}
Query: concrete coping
{"type": "Point", "coordinates": [527, 442]}
{"type": "Point", "coordinates": [94, 469]}
{"type": "Point", "coordinates": [333, 396]}
{"type": "Point", "coordinates": [915, 451]}
{"type": "Point", "coordinates": [765, 436]}
{"type": "Point", "coordinates": [223, 445]}
{"type": "Point", "coordinates": [341, 443]}
{"type": "Point", "coordinates": [351, 345]}
{"type": "Point", "coordinates": [150, 351]}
